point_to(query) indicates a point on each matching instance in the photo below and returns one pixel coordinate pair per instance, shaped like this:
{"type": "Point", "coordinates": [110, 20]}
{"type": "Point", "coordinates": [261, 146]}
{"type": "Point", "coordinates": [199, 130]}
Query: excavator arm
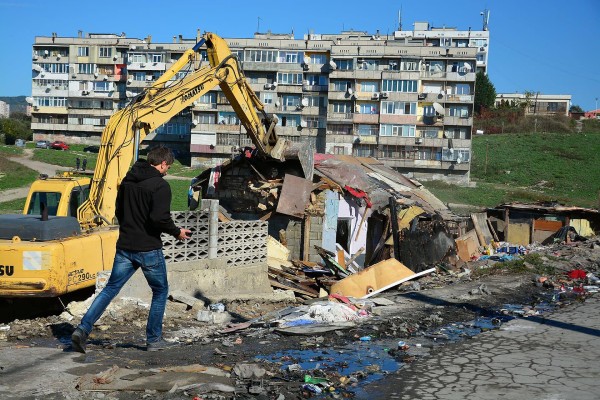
{"type": "Point", "coordinates": [157, 105]}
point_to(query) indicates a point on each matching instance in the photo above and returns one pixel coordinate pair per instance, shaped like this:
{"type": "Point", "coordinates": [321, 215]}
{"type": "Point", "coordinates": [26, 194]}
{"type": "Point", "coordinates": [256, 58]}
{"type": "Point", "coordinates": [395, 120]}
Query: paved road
{"type": "Point", "coordinates": [42, 168]}
{"type": "Point", "coordinates": [556, 357]}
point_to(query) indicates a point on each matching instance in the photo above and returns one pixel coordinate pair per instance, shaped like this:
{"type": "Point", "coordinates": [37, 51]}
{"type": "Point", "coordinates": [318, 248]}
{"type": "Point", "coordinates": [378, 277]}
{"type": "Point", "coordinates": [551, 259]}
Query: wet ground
{"type": "Point", "coordinates": [348, 359]}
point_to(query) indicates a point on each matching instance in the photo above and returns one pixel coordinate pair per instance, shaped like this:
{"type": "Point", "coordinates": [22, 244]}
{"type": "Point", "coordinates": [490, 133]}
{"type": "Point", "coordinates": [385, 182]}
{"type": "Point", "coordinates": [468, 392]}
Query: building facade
{"type": "Point", "coordinates": [536, 103]}
{"type": "Point", "coordinates": [4, 109]}
{"type": "Point", "coordinates": [405, 98]}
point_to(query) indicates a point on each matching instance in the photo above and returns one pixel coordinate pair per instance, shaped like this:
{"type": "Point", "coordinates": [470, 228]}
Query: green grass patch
{"type": "Point", "coordinates": [10, 150]}
{"type": "Point", "coordinates": [65, 158]}
{"type": "Point", "coordinates": [179, 193]}
{"type": "Point", "coordinates": [14, 175]}
{"type": "Point", "coordinates": [12, 207]}
{"type": "Point", "coordinates": [530, 167]}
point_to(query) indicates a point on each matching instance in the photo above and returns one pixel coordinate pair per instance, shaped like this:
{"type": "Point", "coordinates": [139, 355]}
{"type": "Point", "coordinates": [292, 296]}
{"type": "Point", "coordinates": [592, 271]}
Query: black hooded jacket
{"type": "Point", "coordinates": [143, 209]}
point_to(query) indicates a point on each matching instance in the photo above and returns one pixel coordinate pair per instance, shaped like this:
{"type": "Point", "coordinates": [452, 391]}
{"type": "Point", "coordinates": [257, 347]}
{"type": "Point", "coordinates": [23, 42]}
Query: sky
{"type": "Point", "coordinates": [551, 46]}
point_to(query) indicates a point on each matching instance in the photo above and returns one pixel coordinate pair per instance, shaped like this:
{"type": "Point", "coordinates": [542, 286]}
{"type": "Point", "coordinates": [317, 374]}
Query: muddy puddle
{"type": "Point", "coordinates": [348, 370]}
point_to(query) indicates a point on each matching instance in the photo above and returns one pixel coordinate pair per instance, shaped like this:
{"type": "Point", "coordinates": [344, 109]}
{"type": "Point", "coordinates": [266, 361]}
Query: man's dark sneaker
{"type": "Point", "coordinates": [78, 340]}
{"type": "Point", "coordinates": [161, 345]}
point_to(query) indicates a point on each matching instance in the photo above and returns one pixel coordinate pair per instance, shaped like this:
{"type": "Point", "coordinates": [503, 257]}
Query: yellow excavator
{"type": "Point", "coordinates": [49, 250]}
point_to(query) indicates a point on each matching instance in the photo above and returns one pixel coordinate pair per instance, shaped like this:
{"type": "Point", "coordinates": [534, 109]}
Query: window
{"type": "Point", "coordinates": [78, 196]}
{"type": "Point", "coordinates": [457, 133]}
{"type": "Point", "coordinates": [266, 98]}
{"type": "Point", "coordinates": [363, 150]}
{"type": "Point", "coordinates": [341, 150]}
{"type": "Point", "coordinates": [55, 68]}
{"type": "Point", "coordinates": [174, 128]}
{"type": "Point", "coordinates": [206, 118]}
{"type": "Point", "coordinates": [341, 86]}
{"type": "Point", "coordinates": [104, 52]}
{"type": "Point", "coordinates": [288, 78]}
{"type": "Point", "coordinates": [398, 108]}
{"type": "Point", "coordinates": [102, 86]}
{"type": "Point", "coordinates": [315, 122]}
{"type": "Point", "coordinates": [208, 99]}
{"type": "Point", "coordinates": [106, 69]}
{"type": "Point", "coordinates": [83, 51]}
{"type": "Point", "coordinates": [456, 154]}
{"type": "Point", "coordinates": [289, 120]}
{"type": "Point", "coordinates": [86, 68]}
{"type": "Point", "coordinates": [435, 67]}
{"type": "Point", "coordinates": [368, 108]}
{"type": "Point", "coordinates": [429, 111]}
{"type": "Point", "coordinates": [261, 55]}
{"type": "Point", "coordinates": [50, 199]}
{"type": "Point", "coordinates": [463, 88]}
{"type": "Point", "coordinates": [367, 130]}
{"type": "Point", "coordinates": [289, 57]}
{"type": "Point", "coordinates": [369, 87]}
{"type": "Point", "coordinates": [341, 107]}
{"type": "Point", "coordinates": [317, 59]}
{"type": "Point", "coordinates": [156, 58]}
{"type": "Point", "coordinates": [344, 65]}
{"type": "Point", "coordinates": [370, 65]}
{"type": "Point", "coordinates": [405, 86]}
{"type": "Point", "coordinates": [397, 130]}
{"type": "Point", "coordinates": [409, 65]}
{"type": "Point", "coordinates": [50, 101]}
{"type": "Point", "coordinates": [315, 101]}
{"type": "Point", "coordinates": [136, 58]}
{"type": "Point", "coordinates": [290, 101]}
{"type": "Point", "coordinates": [139, 76]}
{"type": "Point", "coordinates": [458, 111]}
{"type": "Point", "coordinates": [229, 118]}
{"type": "Point", "coordinates": [339, 129]}
{"type": "Point", "coordinates": [429, 133]}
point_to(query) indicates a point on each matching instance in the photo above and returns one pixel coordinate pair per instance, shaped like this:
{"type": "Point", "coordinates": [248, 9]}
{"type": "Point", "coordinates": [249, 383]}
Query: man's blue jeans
{"type": "Point", "coordinates": [125, 264]}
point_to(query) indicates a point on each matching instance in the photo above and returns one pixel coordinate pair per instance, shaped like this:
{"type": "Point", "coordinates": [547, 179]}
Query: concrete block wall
{"type": "Point", "coordinates": [315, 238]}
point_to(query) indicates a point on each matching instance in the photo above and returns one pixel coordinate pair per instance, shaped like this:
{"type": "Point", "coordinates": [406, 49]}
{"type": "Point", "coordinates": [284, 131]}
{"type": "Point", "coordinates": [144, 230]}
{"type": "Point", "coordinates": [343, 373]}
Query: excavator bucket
{"type": "Point", "coordinates": [303, 152]}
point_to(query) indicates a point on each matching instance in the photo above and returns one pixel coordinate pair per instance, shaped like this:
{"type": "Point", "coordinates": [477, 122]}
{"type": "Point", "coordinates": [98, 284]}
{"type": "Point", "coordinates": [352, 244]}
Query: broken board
{"type": "Point", "coordinates": [375, 279]}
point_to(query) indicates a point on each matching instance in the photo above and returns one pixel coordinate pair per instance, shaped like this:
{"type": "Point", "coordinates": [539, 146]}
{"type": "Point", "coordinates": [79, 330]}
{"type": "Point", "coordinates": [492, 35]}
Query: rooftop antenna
{"type": "Point", "coordinates": [400, 19]}
{"type": "Point", "coordinates": [258, 26]}
{"type": "Point", "coordinates": [486, 18]}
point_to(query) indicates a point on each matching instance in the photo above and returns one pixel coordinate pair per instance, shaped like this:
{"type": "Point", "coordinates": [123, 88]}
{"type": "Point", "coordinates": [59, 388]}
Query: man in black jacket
{"type": "Point", "coordinates": [143, 211]}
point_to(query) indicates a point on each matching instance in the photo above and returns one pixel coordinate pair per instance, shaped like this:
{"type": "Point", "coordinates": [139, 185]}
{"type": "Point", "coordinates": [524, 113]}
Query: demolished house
{"type": "Point", "coordinates": [524, 224]}
{"type": "Point", "coordinates": [340, 215]}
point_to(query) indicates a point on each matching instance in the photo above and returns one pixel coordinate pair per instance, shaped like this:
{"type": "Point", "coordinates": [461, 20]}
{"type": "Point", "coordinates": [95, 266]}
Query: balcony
{"type": "Point", "coordinates": [365, 118]}
{"type": "Point", "coordinates": [339, 117]}
{"type": "Point", "coordinates": [460, 98]}
{"type": "Point", "coordinates": [458, 121]}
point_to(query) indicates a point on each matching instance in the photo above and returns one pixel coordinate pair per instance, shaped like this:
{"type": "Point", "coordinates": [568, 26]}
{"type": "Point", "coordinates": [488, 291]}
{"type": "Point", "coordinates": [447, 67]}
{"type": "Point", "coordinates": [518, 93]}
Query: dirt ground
{"type": "Point", "coordinates": [414, 312]}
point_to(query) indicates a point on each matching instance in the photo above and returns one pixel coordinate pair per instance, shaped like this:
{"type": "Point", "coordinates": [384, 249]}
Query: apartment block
{"type": "Point", "coordinates": [405, 98]}
{"type": "Point", "coordinates": [4, 109]}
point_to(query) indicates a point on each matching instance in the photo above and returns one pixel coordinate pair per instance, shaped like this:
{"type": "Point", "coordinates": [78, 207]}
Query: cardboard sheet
{"type": "Point", "coordinates": [375, 279]}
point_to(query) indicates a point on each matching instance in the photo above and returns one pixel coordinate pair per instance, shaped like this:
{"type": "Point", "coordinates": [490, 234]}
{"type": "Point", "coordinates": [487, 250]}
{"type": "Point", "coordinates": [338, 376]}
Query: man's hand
{"type": "Point", "coordinates": [184, 234]}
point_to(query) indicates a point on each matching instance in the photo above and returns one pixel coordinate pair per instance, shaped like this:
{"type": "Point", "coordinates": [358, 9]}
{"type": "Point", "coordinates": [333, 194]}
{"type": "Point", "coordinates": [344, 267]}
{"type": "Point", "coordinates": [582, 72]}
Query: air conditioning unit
{"type": "Point", "coordinates": [298, 107]}
{"type": "Point", "coordinates": [482, 49]}
{"type": "Point", "coordinates": [148, 77]}
{"type": "Point", "coordinates": [274, 85]}
{"type": "Point", "coordinates": [35, 57]}
{"type": "Point", "coordinates": [142, 65]}
{"type": "Point", "coordinates": [419, 140]}
{"type": "Point", "coordinates": [303, 124]}
{"type": "Point", "coordinates": [268, 86]}
{"type": "Point", "coordinates": [115, 58]}
{"type": "Point", "coordinates": [85, 92]}
{"type": "Point", "coordinates": [305, 66]}
{"type": "Point", "coordinates": [375, 96]}
{"type": "Point", "coordinates": [35, 108]}
{"type": "Point", "coordinates": [422, 96]}
{"type": "Point", "coordinates": [383, 95]}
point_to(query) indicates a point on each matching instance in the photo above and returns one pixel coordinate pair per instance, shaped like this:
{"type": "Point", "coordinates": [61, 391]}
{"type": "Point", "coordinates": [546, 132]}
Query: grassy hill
{"type": "Point", "coordinates": [17, 103]}
{"type": "Point", "coordinates": [562, 167]}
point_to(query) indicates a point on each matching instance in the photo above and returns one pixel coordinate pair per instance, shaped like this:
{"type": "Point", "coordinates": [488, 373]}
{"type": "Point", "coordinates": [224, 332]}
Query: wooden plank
{"type": "Point", "coordinates": [279, 285]}
{"type": "Point", "coordinates": [546, 225]}
{"type": "Point", "coordinates": [480, 236]}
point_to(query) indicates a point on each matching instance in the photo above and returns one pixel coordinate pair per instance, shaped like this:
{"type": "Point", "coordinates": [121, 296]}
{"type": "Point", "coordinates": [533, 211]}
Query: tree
{"type": "Point", "coordinates": [485, 92]}
{"type": "Point", "coordinates": [13, 129]}
{"type": "Point", "coordinates": [576, 109]}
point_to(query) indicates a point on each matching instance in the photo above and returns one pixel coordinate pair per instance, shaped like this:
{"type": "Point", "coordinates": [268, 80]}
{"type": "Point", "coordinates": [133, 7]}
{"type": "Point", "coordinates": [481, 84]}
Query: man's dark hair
{"type": "Point", "coordinates": [159, 154]}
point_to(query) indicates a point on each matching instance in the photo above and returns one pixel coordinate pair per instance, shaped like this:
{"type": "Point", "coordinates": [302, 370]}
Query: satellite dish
{"type": "Point", "coordinates": [37, 68]}
{"type": "Point", "coordinates": [439, 108]}
{"type": "Point", "coordinates": [29, 100]}
{"type": "Point", "coordinates": [467, 66]}
{"type": "Point", "coordinates": [349, 90]}
{"type": "Point", "coordinates": [274, 85]}
{"type": "Point", "coordinates": [458, 160]}
{"type": "Point", "coordinates": [332, 65]}
{"type": "Point", "coordinates": [306, 60]}
{"type": "Point", "coordinates": [304, 102]}
{"type": "Point", "coordinates": [276, 104]}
